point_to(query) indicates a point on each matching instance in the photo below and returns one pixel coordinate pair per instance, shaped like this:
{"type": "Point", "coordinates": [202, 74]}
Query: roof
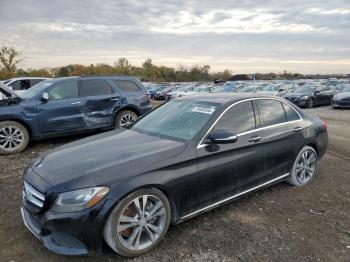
{"type": "Point", "coordinates": [223, 98]}
{"type": "Point", "coordinates": [23, 78]}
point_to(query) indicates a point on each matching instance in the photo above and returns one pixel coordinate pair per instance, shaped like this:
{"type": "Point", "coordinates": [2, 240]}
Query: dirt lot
{"type": "Point", "coordinates": [281, 223]}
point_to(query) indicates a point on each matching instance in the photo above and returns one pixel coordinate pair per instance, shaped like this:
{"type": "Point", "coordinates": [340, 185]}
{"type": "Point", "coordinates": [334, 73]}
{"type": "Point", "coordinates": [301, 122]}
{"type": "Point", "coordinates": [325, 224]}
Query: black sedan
{"type": "Point", "coordinates": [188, 156]}
{"type": "Point", "coordinates": [310, 95]}
{"type": "Point", "coordinates": [342, 99]}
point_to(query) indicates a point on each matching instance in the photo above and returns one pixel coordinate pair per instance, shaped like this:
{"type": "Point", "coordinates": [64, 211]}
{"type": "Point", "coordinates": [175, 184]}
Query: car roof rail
{"type": "Point", "coordinates": [103, 75]}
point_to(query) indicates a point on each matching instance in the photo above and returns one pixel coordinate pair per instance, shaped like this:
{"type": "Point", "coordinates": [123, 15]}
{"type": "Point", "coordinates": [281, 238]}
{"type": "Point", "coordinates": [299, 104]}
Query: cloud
{"type": "Point", "coordinates": [246, 35]}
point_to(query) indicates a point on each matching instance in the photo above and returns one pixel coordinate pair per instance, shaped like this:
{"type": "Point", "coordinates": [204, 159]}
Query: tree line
{"type": "Point", "coordinates": [10, 58]}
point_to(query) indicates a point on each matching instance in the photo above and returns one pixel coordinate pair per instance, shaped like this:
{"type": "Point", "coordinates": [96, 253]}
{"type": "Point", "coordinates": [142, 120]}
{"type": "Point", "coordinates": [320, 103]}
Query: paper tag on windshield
{"type": "Point", "coordinates": [204, 109]}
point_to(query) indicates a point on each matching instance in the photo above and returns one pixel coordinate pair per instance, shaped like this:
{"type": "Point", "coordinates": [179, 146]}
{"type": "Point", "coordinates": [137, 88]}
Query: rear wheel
{"type": "Point", "coordinates": [138, 223]}
{"type": "Point", "coordinates": [124, 118]}
{"type": "Point", "coordinates": [304, 168]}
{"type": "Point", "coordinates": [14, 137]}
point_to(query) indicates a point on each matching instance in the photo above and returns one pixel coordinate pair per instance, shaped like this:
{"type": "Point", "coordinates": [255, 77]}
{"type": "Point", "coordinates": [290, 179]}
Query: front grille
{"type": "Point", "coordinates": [33, 196]}
{"type": "Point", "coordinates": [291, 98]}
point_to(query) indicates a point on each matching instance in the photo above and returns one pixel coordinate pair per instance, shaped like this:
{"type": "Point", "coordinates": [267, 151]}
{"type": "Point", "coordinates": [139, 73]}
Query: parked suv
{"type": "Point", "coordinates": [69, 105]}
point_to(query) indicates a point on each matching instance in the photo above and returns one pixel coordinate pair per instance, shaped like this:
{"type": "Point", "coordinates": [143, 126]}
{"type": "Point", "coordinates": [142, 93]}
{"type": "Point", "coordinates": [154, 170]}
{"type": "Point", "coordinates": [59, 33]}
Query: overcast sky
{"type": "Point", "coordinates": [244, 36]}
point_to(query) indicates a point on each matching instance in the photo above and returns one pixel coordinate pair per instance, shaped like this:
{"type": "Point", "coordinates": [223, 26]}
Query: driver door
{"type": "Point", "coordinates": [228, 169]}
{"type": "Point", "coordinates": [63, 111]}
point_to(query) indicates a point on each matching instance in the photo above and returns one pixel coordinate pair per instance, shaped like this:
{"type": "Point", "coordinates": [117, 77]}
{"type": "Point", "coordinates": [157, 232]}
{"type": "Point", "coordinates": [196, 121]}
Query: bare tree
{"type": "Point", "coordinates": [9, 59]}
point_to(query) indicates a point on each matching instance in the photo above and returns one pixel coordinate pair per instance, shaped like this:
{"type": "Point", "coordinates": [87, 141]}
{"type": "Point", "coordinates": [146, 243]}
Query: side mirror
{"type": "Point", "coordinates": [45, 96]}
{"type": "Point", "coordinates": [281, 90]}
{"type": "Point", "coordinates": [317, 92]}
{"type": "Point", "coordinates": [221, 136]}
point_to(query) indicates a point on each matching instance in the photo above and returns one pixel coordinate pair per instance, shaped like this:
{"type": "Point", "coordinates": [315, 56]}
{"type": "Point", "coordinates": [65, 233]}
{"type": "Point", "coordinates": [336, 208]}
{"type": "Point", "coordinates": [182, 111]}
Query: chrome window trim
{"type": "Point", "coordinates": [234, 196]}
{"type": "Point", "coordinates": [200, 145]}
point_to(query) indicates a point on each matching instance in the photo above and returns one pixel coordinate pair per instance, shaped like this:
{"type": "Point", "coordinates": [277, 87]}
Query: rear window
{"type": "Point", "coordinates": [94, 87]}
{"type": "Point", "coordinates": [127, 86]}
{"type": "Point", "coordinates": [271, 111]}
{"type": "Point", "coordinates": [290, 113]}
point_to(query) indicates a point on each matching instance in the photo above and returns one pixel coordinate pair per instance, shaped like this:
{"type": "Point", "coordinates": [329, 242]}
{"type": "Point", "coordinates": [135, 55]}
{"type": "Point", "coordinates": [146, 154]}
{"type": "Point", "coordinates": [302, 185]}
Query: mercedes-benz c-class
{"type": "Point", "coordinates": [192, 154]}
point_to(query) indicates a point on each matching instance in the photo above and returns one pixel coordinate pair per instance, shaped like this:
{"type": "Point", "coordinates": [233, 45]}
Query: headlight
{"type": "Point", "coordinates": [303, 98]}
{"type": "Point", "coordinates": [77, 200]}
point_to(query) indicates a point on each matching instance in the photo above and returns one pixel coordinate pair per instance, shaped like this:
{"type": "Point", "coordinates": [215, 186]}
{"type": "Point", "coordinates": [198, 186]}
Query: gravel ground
{"type": "Point", "coordinates": [281, 223]}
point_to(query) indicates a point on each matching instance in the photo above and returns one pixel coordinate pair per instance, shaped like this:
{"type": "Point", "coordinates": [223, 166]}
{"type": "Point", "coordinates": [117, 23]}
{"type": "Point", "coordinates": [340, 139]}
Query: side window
{"type": "Point", "coordinates": [35, 81]}
{"type": "Point", "coordinates": [25, 84]}
{"type": "Point", "coordinates": [126, 86]}
{"type": "Point", "coordinates": [290, 113]}
{"type": "Point", "coordinates": [94, 87]}
{"type": "Point", "coordinates": [64, 90]}
{"type": "Point", "coordinates": [16, 85]}
{"type": "Point", "coordinates": [271, 111]}
{"type": "Point", "coordinates": [238, 119]}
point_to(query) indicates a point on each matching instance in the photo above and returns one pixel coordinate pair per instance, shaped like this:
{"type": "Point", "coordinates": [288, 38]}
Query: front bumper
{"type": "Point", "coordinates": [340, 103]}
{"type": "Point", "coordinates": [297, 101]}
{"type": "Point", "coordinates": [76, 233]}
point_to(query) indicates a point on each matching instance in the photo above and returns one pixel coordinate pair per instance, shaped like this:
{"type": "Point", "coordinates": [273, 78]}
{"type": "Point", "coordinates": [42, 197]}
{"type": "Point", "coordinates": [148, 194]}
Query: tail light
{"type": "Point", "coordinates": [324, 125]}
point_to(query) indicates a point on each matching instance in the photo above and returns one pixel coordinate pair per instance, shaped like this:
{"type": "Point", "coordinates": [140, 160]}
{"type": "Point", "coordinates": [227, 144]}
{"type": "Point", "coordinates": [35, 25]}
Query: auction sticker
{"type": "Point", "coordinates": [204, 109]}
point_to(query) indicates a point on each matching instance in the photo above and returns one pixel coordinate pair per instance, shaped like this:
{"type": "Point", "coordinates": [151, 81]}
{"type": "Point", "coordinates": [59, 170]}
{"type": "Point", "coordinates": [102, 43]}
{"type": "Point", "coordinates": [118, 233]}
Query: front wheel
{"type": "Point", "coordinates": [138, 223]}
{"type": "Point", "coordinates": [310, 103]}
{"type": "Point", "coordinates": [304, 168]}
{"type": "Point", "coordinates": [14, 137]}
{"type": "Point", "coordinates": [124, 118]}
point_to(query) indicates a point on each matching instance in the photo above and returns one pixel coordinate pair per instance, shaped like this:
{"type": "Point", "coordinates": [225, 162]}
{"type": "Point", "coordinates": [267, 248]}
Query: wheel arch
{"type": "Point", "coordinates": [130, 108]}
{"type": "Point", "coordinates": [22, 122]}
{"type": "Point", "coordinates": [160, 187]}
{"type": "Point", "coordinates": [314, 146]}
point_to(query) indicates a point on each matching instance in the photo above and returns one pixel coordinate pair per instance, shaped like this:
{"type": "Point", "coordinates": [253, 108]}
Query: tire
{"type": "Point", "coordinates": [310, 103]}
{"type": "Point", "coordinates": [301, 175]}
{"type": "Point", "coordinates": [14, 137]}
{"type": "Point", "coordinates": [124, 118]}
{"type": "Point", "coordinates": [118, 234]}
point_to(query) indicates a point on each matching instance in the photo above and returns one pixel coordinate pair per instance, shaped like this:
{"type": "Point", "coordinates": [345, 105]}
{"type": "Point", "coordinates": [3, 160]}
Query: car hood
{"type": "Point", "coordinates": [98, 159]}
{"type": "Point", "coordinates": [268, 92]}
{"type": "Point", "coordinates": [341, 95]}
{"type": "Point", "coordinates": [298, 94]}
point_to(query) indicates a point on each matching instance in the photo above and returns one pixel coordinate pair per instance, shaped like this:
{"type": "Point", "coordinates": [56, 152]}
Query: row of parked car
{"type": "Point", "coordinates": [38, 108]}
{"type": "Point", "coordinates": [304, 93]}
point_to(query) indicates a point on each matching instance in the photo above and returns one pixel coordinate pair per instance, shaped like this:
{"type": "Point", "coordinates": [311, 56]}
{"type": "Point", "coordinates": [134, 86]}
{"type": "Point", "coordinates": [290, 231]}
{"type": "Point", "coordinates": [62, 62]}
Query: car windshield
{"type": "Point", "coordinates": [217, 89]}
{"type": "Point", "coordinates": [247, 89]}
{"type": "Point", "coordinates": [346, 89]}
{"type": "Point", "coordinates": [36, 89]}
{"type": "Point", "coordinates": [179, 120]}
{"type": "Point", "coordinates": [271, 88]}
{"type": "Point", "coordinates": [305, 89]}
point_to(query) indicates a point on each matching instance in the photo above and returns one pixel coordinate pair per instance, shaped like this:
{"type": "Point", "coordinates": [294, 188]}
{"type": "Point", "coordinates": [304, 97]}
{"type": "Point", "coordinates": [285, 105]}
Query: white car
{"type": "Point", "coordinates": [20, 84]}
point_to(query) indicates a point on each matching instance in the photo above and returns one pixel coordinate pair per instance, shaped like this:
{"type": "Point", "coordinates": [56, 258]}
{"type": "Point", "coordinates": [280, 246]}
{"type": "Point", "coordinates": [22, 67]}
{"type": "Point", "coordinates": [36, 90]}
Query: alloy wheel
{"type": "Point", "coordinates": [306, 166]}
{"type": "Point", "coordinates": [11, 138]}
{"type": "Point", "coordinates": [126, 120]}
{"type": "Point", "coordinates": [141, 222]}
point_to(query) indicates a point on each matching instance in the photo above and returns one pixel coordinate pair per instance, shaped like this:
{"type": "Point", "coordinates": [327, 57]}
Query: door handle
{"type": "Point", "coordinates": [75, 103]}
{"type": "Point", "coordinates": [297, 129]}
{"type": "Point", "coordinates": [254, 139]}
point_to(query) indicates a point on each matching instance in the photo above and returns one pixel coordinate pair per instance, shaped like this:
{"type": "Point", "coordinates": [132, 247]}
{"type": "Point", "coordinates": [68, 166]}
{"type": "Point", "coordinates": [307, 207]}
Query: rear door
{"type": "Point", "coordinates": [101, 102]}
{"type": "Point", "coordinates": [63, 112]}
{"type": "Point", "coordinates": [227, 169]}
{"type": "Point", "coordinates": [283, 136]}
{"type": "Point", "coordinates": [132, 92]}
